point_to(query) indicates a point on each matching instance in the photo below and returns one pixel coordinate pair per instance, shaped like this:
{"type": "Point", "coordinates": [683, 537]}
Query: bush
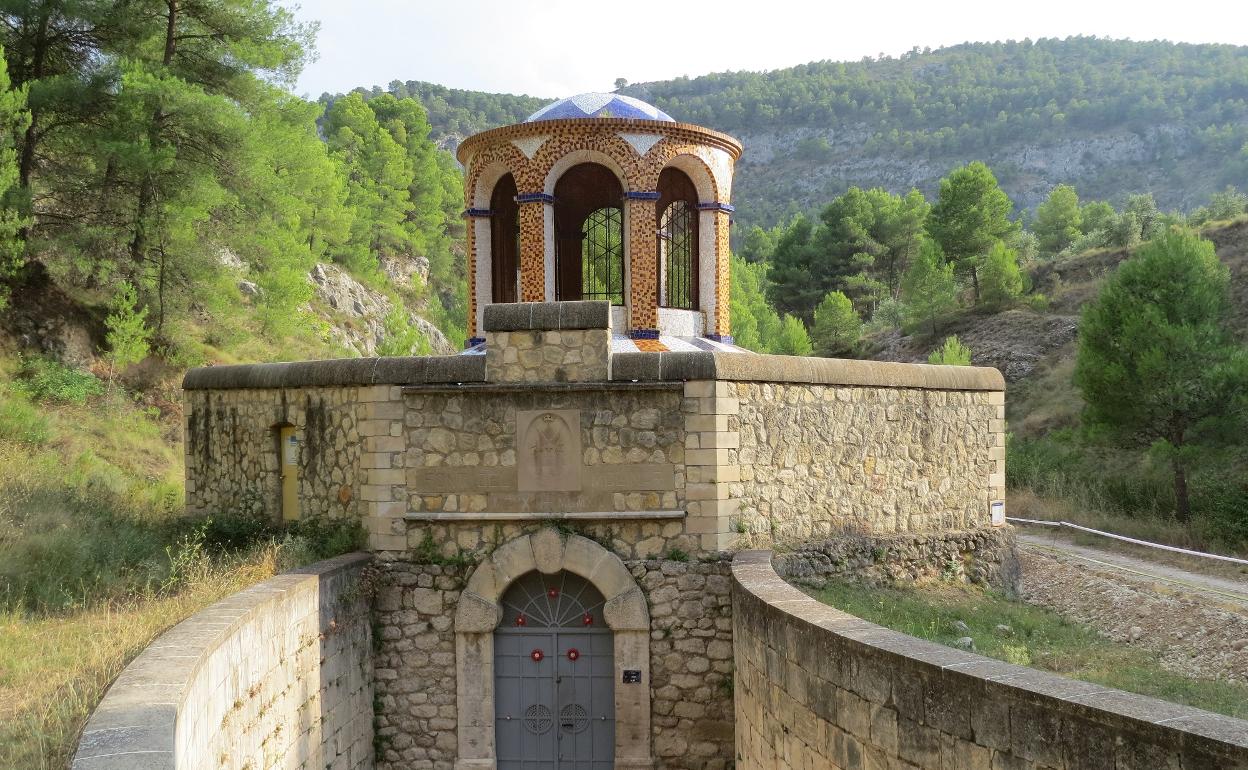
{"type": "Point", "coordinates": [324, 537]}
{"type": "Point", "coordinates": [951, 353]}
{"type": "Point", "coordinates": [20, 421]}
{"type": "Point", "coordinates": [235, 530]}
{"type": "Point", "coordinates": [44, 379]}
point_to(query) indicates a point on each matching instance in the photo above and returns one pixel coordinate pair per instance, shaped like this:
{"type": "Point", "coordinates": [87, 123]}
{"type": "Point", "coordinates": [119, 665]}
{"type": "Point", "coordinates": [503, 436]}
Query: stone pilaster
{"type": "Point", "coordinates": [712, 439]}
{"type": "Point", "coordinates": [643, 263]}
{"type": "Point", "coordinates": [533, 245]}
{"type": "Point", "coordinates": [996, 450]}
{"type": "Point", "coordinates": [383, 493]}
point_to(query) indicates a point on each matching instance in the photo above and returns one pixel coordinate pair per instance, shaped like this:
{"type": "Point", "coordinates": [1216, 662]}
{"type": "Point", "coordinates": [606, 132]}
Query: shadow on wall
{"type": "Point", "coordinates": [805, 670]}
{"type": "Point", "coordinates": [278, 674]}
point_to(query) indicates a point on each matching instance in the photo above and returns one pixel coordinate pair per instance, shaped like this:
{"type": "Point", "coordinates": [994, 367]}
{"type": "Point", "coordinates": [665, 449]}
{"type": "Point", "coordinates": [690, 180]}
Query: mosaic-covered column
{"type": "Point", "coordinates": [533, 245]}
{"type": "Point", "coordinates": [643, 264]}
{"type": "Point", "coordinates": [720, 326]}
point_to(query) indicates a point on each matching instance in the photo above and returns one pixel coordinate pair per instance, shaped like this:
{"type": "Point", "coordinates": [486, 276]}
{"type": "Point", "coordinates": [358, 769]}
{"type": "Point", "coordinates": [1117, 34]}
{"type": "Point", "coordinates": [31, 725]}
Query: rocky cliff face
{"type": "Point", "coordinates": [356, 314]}
{"type": "Point", "coordinates": [1102, 165]}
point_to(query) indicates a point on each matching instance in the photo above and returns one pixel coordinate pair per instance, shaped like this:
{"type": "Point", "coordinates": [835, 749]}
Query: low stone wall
{"type": "Point", "coordinates": [985, 557]}
{"type": "Point", "coordinates": [278, 675]}
{"type": "Point", "coordinates": [817, 687]}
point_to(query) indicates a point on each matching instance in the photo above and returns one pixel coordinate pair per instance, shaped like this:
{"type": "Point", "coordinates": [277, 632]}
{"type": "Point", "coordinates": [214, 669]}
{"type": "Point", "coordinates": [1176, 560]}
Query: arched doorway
{"type": "Point", "coordinates": [554, 676]}
{"type": "Point", "coordinates": [480, 615]}
{"type": "Point", "coordinates": [589, 240]}
{"type": "Point", "coordinates": [678, 265]}
{"type": "Point", "coordinates": [504, 241]}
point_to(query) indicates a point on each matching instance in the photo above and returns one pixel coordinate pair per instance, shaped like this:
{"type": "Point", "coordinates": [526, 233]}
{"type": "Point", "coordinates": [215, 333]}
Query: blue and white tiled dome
{"type": "Point", "coordinates": [596, 105]}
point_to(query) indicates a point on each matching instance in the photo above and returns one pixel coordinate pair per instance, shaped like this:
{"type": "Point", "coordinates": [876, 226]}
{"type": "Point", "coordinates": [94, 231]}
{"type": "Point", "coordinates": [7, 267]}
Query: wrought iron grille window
{"type": "Point", "coordinates": [678, 263]}
{"type": "Point", "coordinates": [602, 256]}
{"type": "Point", "coordinates": [564, 600]}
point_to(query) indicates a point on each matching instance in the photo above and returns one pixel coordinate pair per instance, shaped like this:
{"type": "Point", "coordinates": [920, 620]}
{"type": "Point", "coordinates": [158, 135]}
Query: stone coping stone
{"type": "Point", "coordinates": [754, 367]}
{"type": "Point", "coordinates": [1187, 729]}
{"type": "Point", "coordinates": [625, 367]}
{"type": "Point", "coordinates": [135, 726]}
{"type": "Point", "coordinates": [339, 372]}
{"type": "Point", "coordinates": [531, 516]}
{"type": "Point", "coordinates": [547, 316]}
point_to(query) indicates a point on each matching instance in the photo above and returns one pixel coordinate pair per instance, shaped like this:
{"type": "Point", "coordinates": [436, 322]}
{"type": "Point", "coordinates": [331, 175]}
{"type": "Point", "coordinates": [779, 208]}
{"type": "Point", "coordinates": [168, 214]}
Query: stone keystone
{"type": "Point", "coordinates": [548, 551]}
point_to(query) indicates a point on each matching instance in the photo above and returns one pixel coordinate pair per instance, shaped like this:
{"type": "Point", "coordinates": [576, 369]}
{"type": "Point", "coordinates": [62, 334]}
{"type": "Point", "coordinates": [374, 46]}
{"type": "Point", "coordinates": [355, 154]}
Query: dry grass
{"type": "Point", "coordinates": [54, 670]}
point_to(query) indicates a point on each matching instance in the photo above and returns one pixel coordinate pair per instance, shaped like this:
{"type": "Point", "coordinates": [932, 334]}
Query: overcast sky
{"type": "Point", "coordinates": [556, 48]}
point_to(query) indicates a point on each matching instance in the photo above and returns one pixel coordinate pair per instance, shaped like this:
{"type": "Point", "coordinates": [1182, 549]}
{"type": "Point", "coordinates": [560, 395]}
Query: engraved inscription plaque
{"type": "Point", "coordinates": [548, 450]}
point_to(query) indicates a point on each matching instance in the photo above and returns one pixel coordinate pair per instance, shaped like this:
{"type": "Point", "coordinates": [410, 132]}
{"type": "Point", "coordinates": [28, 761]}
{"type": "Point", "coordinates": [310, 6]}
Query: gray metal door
{"type": "Point", "coordinates": [554, 677]}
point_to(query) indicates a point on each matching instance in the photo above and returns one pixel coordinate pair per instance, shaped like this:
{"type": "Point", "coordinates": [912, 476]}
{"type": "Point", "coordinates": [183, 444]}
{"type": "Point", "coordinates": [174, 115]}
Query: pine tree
{"type": "Point", "coordinates": [793, 339]}
{"type": "Point", "coordinates": [1058, 219]}
{"type": "Point", "coordinates": [1001, 281]}
{"type": "Point", "coordinates": [13, 219]}
{"type": "Point", "coordinates": [971, 214]}
{"type": "Point", "coordinates": [837, 325]}
{"type": "Point", "coordinates": [928, 289]}
{"type": "Point", "coordinates": [1157, 364]}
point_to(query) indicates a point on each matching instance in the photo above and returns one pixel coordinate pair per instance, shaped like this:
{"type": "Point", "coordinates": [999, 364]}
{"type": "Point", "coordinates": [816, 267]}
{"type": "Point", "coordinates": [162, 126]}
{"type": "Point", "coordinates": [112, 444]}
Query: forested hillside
{"type": "Point", "coordinates": [1112, 117]}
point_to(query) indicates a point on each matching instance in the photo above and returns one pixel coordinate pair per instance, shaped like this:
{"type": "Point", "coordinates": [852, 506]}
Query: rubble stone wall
{"type": "Point", "coordinates": [821, 460]}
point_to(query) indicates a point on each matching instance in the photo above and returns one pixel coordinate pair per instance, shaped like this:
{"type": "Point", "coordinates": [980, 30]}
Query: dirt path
{"type": "Point", "coordinates": [1176, 578]}
{"type": "Point", "coordinates": [1197, 624]}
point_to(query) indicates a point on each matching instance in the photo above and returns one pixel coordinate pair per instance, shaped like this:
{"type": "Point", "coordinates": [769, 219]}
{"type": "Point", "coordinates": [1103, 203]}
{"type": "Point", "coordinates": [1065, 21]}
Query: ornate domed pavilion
{"type": "Point", "coordinates": [604, 197]}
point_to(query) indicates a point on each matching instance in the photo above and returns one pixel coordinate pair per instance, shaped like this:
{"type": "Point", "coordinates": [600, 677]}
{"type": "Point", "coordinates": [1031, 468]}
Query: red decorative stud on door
{"type": "Point", "coordinates": [573, 654]}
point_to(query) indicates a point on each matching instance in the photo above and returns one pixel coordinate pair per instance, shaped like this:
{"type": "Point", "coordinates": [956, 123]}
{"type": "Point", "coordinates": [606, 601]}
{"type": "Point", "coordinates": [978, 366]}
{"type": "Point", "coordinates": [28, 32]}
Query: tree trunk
{"type": "Point", "coordinates": [138, 245]}
{"type": "Point", "coordinates": [26, 165]}
{"type": "Point", "coordinates": [1182, 498]}
{"type": "Point", "coordinates": [975, 283]}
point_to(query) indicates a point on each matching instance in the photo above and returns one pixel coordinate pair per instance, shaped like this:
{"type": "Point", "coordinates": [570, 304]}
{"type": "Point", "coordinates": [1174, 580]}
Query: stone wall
{"type": "Point", "coordinates": [276, 676]}
{"type": "Point", "coordinates": [818, 460]}
{"type": "Point", "coordinates": [816, 687]}
{"type": "Point", "coordinates": [690, 663]}
{"type": "Point", "coordinates": [985, 557]}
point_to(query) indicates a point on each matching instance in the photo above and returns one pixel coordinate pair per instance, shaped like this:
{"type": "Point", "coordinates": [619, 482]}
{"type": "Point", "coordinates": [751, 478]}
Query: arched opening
{"type": "Point", "coordinates": [678, 264]}
{"type": "Point", "coordinates": [554, 675]}
{"type": "Point", "coordinates": [504, 241]}
{"type": "Point", "coordinates": [589, 235]}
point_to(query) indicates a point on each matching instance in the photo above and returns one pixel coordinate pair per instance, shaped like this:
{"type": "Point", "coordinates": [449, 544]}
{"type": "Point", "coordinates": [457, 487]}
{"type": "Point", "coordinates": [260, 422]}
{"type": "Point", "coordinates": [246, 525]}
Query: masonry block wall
{"type": "Point", "coordinates": [277, 675]}
{"type": "Point", "coordinates": [816, 687]}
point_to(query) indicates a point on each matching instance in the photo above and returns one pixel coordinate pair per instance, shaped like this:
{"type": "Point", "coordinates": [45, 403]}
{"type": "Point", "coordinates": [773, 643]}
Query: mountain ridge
{"type": "Point", "coordinates": [1112, 117]}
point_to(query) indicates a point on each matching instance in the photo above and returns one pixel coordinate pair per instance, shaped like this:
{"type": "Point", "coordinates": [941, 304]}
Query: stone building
{"type": "Point", "coordinates": [553, 511]}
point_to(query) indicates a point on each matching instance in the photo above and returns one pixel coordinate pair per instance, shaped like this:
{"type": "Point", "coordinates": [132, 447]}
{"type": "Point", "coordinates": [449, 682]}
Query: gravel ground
{"type": "Point", "coordinates": [1194, 634]}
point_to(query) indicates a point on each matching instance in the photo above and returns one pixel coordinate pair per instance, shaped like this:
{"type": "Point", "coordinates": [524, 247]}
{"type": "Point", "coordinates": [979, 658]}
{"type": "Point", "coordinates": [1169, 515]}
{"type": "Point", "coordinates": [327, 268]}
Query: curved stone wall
{"type": "Point", "coordinates": [818, 687]}
{"type": "Point", "coordinates": [276, 676]}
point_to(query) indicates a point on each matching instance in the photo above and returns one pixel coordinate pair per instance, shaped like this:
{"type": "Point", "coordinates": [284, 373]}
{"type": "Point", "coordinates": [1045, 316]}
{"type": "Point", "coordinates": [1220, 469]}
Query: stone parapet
{"type": "Point", "coordinates": [277, 675]}
{"type": "Point", "coordinates": [753, 367]}
{"type": "Point", "coordinates": [341, 372]}
{"type": "Point", "coordinates": [836, 691]}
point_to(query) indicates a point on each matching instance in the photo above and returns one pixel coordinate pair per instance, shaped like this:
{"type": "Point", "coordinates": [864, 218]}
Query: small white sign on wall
{"type": "Point", "coordinates": [998, 513]}
{"type": "Point", "coordinates": [292, 451]}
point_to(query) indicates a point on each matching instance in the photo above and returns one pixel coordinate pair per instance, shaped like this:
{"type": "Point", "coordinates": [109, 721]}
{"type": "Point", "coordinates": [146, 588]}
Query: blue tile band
{"type": "Point", "coordinates": [725, 339]}
{"type": "Point", "coordinates": [641, 195]}
{"type": "Point", "coordinates": [535, 198]}
{"type": "Point", "coordinates": [473, 342]}
{"type": "Point", "coordinates": [716, 206]}
{"type": "Point", "coordinates": [478, 213]}
{"type": "Point", "coordinates": [644, 334]}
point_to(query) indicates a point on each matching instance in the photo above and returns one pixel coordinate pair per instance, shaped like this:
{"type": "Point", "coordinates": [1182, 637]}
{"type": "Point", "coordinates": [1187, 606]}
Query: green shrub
{"type": "Point", "coordinates": [235, 530]}
{"type": "Point", "coordinates": [20, 421]}
{"type": "Point", "coordinates": [327, 537]}
{"type": "Point", "coordinates": [951, 353]}
{"type": "Point", "coordinates": [44, 379]}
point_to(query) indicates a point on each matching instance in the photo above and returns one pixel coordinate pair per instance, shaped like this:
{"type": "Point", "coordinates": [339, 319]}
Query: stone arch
{"type": "Point", "coordinates": [479, 612]}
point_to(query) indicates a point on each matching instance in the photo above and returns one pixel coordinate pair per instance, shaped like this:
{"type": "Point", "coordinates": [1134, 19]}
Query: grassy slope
{"type": "Point", "coordinates": [1036, 637]}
